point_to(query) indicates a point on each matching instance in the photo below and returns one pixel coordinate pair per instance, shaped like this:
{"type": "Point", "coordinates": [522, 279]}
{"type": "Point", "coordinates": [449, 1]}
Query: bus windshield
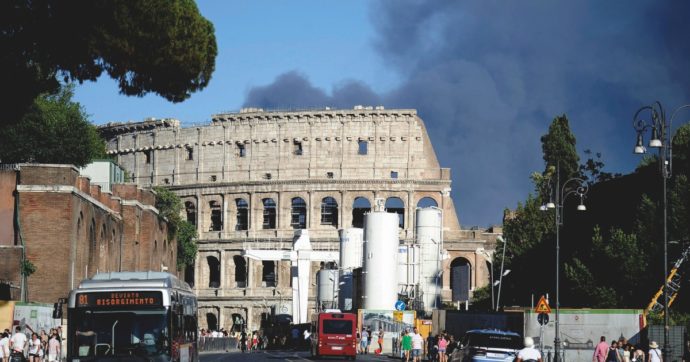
{"type": "Point", "coordinates": [133, 334]}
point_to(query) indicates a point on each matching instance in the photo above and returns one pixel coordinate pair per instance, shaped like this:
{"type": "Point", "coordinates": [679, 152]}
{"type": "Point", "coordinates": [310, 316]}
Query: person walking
{"type": "Point", "coordinates": [34, 348]}
{"type": "Point", "coordinates": [417, 345]}
{"type": "Point", "coordinates": [601, 350]}
{"type": "Point", "coordinates": [54, 348]}
{"type": "Point", "coordinates": [431, 347]}
{"type": "Point", "coordinates": [379, 340]}
{"type": "Point", "coordinates": [654, 354]}
{"type": "Point", "coordinates": [363, 341]}
{"type": "Point", "coordinates": [370, 336]}
{"type": "Point", "coordinates": [4, 347]}
{"type": "Point", "coordinates": [612, 355]}
{"type": "Point", "coordinates": [637, 354]}
{"type": "Point", "coordinates": [18, 341]}
{"type": "Point", "coordinates": [442, 345]}
{"type": "Point", "coordinates": [406, 345]}
{"type": "Point", "coordinates": [529, 353]}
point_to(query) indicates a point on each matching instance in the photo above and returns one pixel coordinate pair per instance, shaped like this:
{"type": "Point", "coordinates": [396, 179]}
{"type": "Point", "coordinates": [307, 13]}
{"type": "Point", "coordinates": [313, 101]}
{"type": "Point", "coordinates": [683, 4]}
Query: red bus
{"type": "Point", "coordinates": [334, 334]}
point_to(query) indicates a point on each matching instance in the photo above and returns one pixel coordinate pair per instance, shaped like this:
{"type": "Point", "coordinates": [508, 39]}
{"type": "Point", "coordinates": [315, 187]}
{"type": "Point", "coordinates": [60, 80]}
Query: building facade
{"type": "Point", "coordinates": [69, 230]}
{"type": "Point", "coordinates": [248, 180]}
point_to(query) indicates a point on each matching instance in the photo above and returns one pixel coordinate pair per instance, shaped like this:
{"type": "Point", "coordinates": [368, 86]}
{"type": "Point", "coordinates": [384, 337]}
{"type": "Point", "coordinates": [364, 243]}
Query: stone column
{"type": "Point", "coordinates": [222, 264]}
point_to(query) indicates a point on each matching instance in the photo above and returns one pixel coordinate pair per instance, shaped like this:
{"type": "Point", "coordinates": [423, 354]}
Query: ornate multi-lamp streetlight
{"type": "Point", "coordinates": [573, 186]}
{"type": "Point", "coordinates": [661, 139]}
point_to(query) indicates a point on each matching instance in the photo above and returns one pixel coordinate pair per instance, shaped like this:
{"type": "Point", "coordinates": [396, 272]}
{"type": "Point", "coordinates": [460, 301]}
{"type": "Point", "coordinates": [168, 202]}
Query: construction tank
{"type": "Point", "coordinates": [350, 259]}
{"type": "Point", "coordinates": [327, 292]}
{"type": "Point", "coordinates": [351, 248]}
{"type": "Point", "coordinates": [428, 237]}
{"type": "Point", "coordinates": [380, 260]}
{"type": "Point", "coordinates": [408, 269]}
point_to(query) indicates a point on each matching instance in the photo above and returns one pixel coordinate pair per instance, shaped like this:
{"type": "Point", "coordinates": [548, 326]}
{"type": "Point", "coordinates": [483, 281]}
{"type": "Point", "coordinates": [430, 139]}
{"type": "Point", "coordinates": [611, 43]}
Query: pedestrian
{"type": "Point", "coordinates": [379, 340]}
{"type": "Point", "coordinates": [34, 348]}
{"type": "Point", "coordinates": [54, 348]}
{"type": "Point", "coordinates": [529, 353]}
{"type": "Point", "coordinates": [370, 336]}
{"type": "Point", "coordinates": [4, 347]}
{"type": "Point", "coordinates": [637, 354]}
{"type": "Point", "coordinates": [612, 355]}
{"type": "Point", "coordinates": [431, 347]}
{"type": "Point", "coordinates": [243, 341]}
{"type": "Point", "coordinates": [442, 345]}
{"type": "Point", "coordinates": [601, 350]}
{"type": "Point", "coordinates": [18, 341]}
{"type": "Point", "coordinates": [654, 354]}
{"type": "Point", "coordinates": [451, 346]}
{"type": "Point", "coordinates": [626, 352]}
{"type": "Point", "coordinates": [406, 345]}
{"type": "Point", "coordinates": [417, 345]}
{"type": "Point", "coordinates": [363, 342]}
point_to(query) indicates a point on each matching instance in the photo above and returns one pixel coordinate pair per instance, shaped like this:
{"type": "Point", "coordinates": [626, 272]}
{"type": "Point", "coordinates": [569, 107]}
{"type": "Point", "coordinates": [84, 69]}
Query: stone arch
{"type": "Point", "coordinates": [213, 271]}
{"type": "Point", "coordinates": [329, 211]}
{"type": "Point", "coordinates": [427, 202]}
{"type": "Point", "coordinates": [268, 273]}
{"type": "Point", "coordinates": [238, 323]}
{"type": "Point", "coordinates": [298, 213]}
{"type": "Point", "coordinates": [460, 279]}
{"type": "Point", "coordinates": [212, 321]}
{"type": "Point", "coordinates": [360, 206]}
{"type": "Point", "coordinates": [93, 247]}
{"type": "Point", "coordinates": [216, 212]}
{"type": "Point", "coordinates": [396, 205]}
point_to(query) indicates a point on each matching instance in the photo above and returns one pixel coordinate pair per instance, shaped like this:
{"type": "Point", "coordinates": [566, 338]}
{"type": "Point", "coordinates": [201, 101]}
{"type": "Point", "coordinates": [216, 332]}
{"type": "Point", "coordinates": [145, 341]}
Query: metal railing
{"type": "Point", "coordinates": [217, 344]}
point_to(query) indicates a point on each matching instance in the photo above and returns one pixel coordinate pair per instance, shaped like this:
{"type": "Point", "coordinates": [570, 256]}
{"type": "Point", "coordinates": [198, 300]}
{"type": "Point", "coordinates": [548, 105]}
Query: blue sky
{"type": "Point", "coordinates": [487, 77]}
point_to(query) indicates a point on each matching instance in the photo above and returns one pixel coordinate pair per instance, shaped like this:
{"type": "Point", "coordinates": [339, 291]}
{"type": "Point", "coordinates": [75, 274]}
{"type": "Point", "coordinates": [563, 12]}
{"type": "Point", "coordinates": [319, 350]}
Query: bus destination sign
{"type": "Point", "coordinates": [120, 299]}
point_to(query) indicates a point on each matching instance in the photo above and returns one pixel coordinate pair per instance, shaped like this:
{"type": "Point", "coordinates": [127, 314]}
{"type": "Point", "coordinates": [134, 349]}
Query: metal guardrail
{"type": "Point", "coordinates": [217, 344]}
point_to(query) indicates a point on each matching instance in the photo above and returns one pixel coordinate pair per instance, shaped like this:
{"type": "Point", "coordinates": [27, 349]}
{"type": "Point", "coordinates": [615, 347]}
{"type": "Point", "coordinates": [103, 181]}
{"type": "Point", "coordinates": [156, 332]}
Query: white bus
{"type": "Point", "coordinates": [132, 316]}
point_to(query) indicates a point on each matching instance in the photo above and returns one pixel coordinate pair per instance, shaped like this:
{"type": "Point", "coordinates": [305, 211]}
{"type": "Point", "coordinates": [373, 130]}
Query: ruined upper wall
{"type": "Point", "coordinates": [261, 145]}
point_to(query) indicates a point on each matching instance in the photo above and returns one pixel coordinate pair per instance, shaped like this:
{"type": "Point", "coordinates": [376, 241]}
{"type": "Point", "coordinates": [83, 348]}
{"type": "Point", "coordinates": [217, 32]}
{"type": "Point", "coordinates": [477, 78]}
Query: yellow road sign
{"type": "Point", "coordinates": [542, 306]}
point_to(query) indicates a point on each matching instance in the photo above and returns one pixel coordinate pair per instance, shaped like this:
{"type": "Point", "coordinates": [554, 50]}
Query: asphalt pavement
{"type": "Point", "coordinates": [279, 356]}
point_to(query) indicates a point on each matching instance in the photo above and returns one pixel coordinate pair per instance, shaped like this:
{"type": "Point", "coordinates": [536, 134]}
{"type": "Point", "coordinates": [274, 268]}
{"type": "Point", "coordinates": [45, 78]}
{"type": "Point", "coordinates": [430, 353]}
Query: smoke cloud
{"type": "Point", "coordinates": [488, 77]}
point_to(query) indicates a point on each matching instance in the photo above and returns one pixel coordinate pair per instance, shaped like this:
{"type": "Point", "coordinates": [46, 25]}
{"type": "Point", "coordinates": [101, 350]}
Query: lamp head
{"type": "Point", "coordinates": [543, 208]}
{"type": "Point", "coordinates": [639, 146]}
{"type": "Point", "coordinates": [550, 205]}
{"type": "Point", "coordinates": [581, 207]}
{"type": "Point", "coordinates": [655, 142]}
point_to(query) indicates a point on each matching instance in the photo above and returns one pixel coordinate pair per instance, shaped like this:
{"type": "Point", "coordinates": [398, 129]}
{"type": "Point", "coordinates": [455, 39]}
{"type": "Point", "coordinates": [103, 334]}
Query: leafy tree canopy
{"type": "Point", "coordinates": [558, 147]}
{"type": "Point", "coordinates": [169, 206]}
{"type": "Point", "coordinates": [149, 46]}
{"type": "Point", "coordinates": [54, 130]}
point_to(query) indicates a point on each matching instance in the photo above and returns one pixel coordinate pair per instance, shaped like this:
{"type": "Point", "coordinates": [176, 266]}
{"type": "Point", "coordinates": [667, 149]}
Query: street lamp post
{"type": "Point", "coordinates": [500, 281]}
{"type": "Point", "coordinates": [573, 186]}
{"type": "Point", "coordinates": [660, 139]}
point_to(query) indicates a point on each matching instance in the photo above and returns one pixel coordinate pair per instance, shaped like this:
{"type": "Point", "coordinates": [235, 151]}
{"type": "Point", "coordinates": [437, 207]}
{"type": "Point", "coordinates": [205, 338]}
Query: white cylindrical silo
{"type": "Point", "coordinates": [380, 260]}
{"type": "Point", "coordinates": [351, 248]}
{"type": "Point", "coordinates": [327, 292]}
{"type": "Point", "coordinates": [429, 238]}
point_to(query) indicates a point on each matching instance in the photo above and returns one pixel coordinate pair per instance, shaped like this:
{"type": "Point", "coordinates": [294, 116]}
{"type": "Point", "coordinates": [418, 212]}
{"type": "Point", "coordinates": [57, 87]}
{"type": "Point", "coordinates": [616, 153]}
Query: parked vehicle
{"type": "Point", "coordinates": [487, 345]}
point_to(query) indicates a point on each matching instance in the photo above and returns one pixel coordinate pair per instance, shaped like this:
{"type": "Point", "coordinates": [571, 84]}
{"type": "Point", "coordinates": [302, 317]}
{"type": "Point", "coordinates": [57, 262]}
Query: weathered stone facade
{"type": "Point", "coordinates": [70, 230]}
{"type": "Point", "coordinates": [249, 179]}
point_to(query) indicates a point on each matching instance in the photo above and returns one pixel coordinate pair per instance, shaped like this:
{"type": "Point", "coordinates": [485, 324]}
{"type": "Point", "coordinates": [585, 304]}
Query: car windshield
{"type": "Point", "coordinates": [110, 333]}
{"type": "Point", "coordinates": [493, 340]}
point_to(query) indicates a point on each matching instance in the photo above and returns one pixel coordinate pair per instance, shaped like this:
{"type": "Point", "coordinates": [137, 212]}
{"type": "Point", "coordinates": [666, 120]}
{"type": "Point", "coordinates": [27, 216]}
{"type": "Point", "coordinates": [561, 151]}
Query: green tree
{"type": "Point", "coordinates": [161, 46]}
{"type": "Point", "coordinates": [54, 130]}
{"type": "Point", "coordinates": [169, 206]}
{"type": "Point", "coordinates": [558, 147]}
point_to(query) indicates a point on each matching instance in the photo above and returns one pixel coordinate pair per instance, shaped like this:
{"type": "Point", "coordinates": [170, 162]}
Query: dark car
{"type": "Point", "coordinates": [487, 345]}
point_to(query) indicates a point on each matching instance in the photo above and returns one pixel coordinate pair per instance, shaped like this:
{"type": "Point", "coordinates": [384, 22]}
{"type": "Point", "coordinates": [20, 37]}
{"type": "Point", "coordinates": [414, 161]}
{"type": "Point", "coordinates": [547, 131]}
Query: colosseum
{"type": "Point", "coordinates": [250, 179]}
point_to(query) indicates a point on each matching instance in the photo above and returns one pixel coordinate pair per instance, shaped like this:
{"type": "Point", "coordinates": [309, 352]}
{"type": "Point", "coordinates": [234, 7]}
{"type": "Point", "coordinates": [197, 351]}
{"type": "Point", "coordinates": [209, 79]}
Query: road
{"type": "Point", "coordinates": [280, 356]}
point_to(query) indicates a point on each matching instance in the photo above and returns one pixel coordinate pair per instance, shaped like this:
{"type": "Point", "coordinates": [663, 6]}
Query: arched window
{"type": "Point", "coordinates": [269, 214]}
{"type": "Point", "coordinates": [396, 206]}
{"type": "Point", "coordinates": [242, 214]}
{"type": "Point", "coordinates": [427, 202]}
{"type": "Point", "coordinates": [189, 275]}
{"type": "Point", "coordinates": [216, 216]}
{"type": "Point", "coordinates": [360, 206]}
{"type": "Point", "coordinates": [460, 279]}
{"type": "Point", "coordinates": [268, 276]}
{"type": "Point", "coordinates": [237, 323]}
{"type": "Point", "coordinates": [213, 271]}
{"type": "Point", "coordinates": [329, 211]}
{"type": "Point", "coordinates": [190, 209]}
{"type": "Point", "coordinates": [240, 271]}
{"type": "Point", "coordinates": [93, 245]}
{"type": "Point", "coordinates": [298, 218]}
